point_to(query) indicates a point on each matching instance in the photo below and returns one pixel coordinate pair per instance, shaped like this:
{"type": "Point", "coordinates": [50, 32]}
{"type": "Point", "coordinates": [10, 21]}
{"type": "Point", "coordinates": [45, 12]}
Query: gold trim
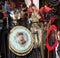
{"type": "Point", "coordinates": [18, 52]}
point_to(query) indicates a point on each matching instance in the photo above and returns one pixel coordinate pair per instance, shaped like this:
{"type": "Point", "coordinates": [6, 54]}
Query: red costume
{"type": "Point", "coordinates": [47, 12]}
{"type": "Point", "coordinates": [50, 48]}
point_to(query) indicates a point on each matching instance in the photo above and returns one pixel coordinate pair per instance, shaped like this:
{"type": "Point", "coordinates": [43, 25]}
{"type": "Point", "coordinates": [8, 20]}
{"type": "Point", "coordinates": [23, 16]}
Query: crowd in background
{"type": "Point", "coordinates": [30, 13]}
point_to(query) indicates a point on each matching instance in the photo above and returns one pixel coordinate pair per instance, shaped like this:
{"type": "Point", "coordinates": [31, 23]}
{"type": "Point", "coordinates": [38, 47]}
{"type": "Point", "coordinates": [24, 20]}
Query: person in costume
{"type": "Point", "coordinates": [33, 17]}
{"type": "Point", "coordinates": [52, 41]}
{"type": "Point", "coordinates": [47, 15]}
